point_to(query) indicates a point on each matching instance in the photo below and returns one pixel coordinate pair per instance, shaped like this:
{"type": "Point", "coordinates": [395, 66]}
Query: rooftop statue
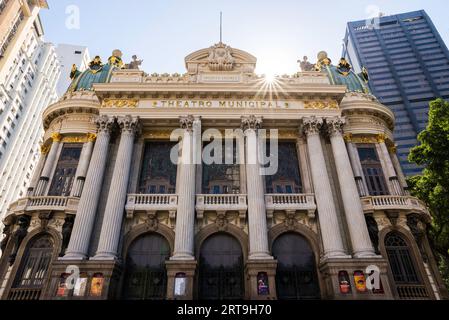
{"type": "Point", "coordinates": [134, 64]}
{"type": "Point", "coordinates": [305, 64]}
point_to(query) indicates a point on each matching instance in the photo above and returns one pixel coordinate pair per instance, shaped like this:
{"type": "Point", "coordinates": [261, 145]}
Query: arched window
{"type": "Point", "coordinates": [296, 276]}
{"type": "Point", "coordinates": [33, 269]}
{"type": "Point", "coordinates": [408, 283]}
{"type": "Point", "coordinates": [400, 259]}
{"type": "Point", "coordinates": [145, 273]}
{"type": "Point", "coordinates": [221, 268]}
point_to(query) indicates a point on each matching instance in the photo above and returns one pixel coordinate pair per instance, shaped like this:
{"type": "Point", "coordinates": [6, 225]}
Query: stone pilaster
{"type": "Point", "coordinates": [327, 213]}
{"type": "Point", "coordinates": [358, 231]}
{"type": "Point", "coordinates": [87, 207]}
{"type": "Point", "coordinates": [115, 205]}
{"type": "Point", "coordinates": [38, 170]}
{"type": "Point", "coordinates": [304, 166]}
{"type": "Point", "coordinates": [185, 218]}
{"type": "Point", "coordinates": [395, 187]}
{"type": "Point", "coordinates": [83, 166]}
{"type": "Point", "coordinates": [357, 168]}
{"type": "Point", "coordinates": [398, 168]}
{"type": "Point", "coordinates": [257, 217]}
{"type": "Point", "coordinates": [49, 164]}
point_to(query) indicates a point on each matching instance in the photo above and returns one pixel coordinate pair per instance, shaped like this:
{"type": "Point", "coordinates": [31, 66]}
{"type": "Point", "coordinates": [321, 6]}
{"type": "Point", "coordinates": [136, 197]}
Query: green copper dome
{"type": "Point", "coordinates": [96, 73]}
{"type": "Point", "coordinates": [342, 74]}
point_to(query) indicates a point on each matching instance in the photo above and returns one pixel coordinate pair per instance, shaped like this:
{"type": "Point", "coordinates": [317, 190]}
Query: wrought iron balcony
{"type": "Point", "coordinates": [151, 202]}
{"type": "Point", "coordinates": [24, 294]}
{"type": "Point", "coordinates": [290, 202]}
{"type": "Point", "coordinates": [402, 203]}
{"type": "Point", "coordinates": [44, 203]}
{"type": "Point", "coordinates": [221, 202]}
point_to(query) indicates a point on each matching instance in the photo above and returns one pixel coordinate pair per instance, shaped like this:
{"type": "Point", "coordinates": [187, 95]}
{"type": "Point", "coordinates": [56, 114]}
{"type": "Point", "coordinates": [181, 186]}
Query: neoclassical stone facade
{"type": "Point", "coordinates": [126, 204]}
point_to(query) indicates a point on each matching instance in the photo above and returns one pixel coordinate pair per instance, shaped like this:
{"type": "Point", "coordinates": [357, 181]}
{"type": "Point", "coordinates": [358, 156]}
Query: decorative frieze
{"type": "Point", "coordinates": [321, 105]}
{"type": "Point", "coordinates": [120, 103]}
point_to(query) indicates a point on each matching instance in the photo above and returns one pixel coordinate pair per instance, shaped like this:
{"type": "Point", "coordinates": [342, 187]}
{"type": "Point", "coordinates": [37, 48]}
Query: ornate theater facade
{"type": "Point", "coordinates": [124, 204]}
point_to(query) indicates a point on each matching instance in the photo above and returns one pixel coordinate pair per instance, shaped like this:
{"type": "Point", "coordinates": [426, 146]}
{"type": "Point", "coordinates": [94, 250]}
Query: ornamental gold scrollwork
{"type": "Point", "coordinates": [380, 138]}
{"type": "Point", "coordinates": [321, 105]}
{"type": "Point", "coordinates": [45, 149]}
{"type": "Point", "coordinates": [120, 103]}
{"type": "Point", "coordinates": [56, 137]}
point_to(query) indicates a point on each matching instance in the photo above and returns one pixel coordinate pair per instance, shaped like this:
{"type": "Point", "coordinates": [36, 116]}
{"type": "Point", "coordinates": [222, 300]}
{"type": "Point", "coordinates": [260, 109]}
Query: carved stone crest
{"type": "Point", "coordinates": [251, 123]}
{"type": "Point", "coordinates": [220, 58]}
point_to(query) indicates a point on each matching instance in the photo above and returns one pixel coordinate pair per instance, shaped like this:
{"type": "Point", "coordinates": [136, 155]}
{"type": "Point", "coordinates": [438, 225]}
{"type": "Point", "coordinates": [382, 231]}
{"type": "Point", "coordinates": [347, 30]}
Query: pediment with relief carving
{"type": "Point", "coordinates": [220, 58]}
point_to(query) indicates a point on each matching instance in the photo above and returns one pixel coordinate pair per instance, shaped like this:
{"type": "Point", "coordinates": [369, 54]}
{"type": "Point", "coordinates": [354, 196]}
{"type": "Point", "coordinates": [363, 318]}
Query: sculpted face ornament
{"type": "Point", "coordinates": [220, 58]}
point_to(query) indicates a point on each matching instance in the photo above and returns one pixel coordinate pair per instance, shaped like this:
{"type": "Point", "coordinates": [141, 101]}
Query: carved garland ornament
{"type": "Point", "coordinates": [321, 105]}
{"type": "Point", "coordinates": [120, 103]}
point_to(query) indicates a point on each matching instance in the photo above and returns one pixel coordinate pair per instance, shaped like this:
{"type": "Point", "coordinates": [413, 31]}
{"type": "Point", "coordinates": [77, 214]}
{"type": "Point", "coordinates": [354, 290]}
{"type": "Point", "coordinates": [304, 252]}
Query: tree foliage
{"type": "Point", "coordinates": [433, 185]}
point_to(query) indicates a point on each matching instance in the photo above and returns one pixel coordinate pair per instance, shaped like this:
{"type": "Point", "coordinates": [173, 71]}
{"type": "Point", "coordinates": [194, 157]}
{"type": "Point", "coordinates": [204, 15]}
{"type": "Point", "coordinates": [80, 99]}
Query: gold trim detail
{"type": "Point", "coordinates": [75, 139]}
{"type": "Point", "coordinates": [56, 137]}
{"type": "Point", "coordinates": [321, 105]}
{"type": "Point", "coordinates": [45, 149]}
{"type": "Point", "coordinates": [158, 134]}
{"type": "Point", "coordinates": [91, 137]}
{"type": "Point", "coordinates": [120, 103]}
{"type": "Point", "coordinates": [380, 138]}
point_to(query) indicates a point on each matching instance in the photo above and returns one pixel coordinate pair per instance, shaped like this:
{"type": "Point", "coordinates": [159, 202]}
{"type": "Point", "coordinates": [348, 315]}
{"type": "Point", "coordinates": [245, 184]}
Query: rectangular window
{"type": "Point", "coordinates": [372, 170]}
{"type": "Point", "coordinates": [287, 179]}
{"type": "Point", "coordinates": [65, 170]}
{"type": "Point", "coordinates": [158, 172]}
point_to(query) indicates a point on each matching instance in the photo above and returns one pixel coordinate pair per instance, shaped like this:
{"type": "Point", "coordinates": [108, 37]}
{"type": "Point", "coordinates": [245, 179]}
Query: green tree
{"type": "Point", "coordinates": [433, 185]}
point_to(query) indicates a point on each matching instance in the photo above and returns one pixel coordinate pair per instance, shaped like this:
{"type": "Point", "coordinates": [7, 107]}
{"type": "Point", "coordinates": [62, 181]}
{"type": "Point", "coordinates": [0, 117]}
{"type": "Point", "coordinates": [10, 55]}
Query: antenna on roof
{"type": "Point", "coordinates": [221, 27]}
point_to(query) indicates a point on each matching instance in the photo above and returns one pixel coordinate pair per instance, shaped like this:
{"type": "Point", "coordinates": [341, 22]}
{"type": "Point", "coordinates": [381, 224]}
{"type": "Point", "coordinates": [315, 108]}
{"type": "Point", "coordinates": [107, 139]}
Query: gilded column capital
{"type": "Point", "coordinates": [186, 122]}
{"type": "Point", "coordinates": [251, 123]}
{"type": "Point", "coordinates": [104, 123]}
{"type": "Point", "coordinates": [57, 137]}
{"type": "Point", "coordinates": [129, 124]}
{"type": "Point", "coordinates": [393, 149]}
{"type": "Point", "coordinates": [335, 126]}
{"type": "Point", "coordinates": [348, 137]}
{"type": "Point", "coordinates": [91, 137]}
{"type": "Point", "coordinates": [45, 149]}
{"type": "Point", "coordinates": [312, 125]}
{"type": "Point", "coordinates": [381, 138]}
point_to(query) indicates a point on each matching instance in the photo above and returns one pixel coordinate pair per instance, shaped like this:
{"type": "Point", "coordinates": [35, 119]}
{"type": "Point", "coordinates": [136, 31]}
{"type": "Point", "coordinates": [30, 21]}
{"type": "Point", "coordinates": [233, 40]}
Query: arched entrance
{"type": "Point", "coordinates": [296, 276]}
{"type": "Point", "coordinates": [221, 268]}
{"type": "Point", "coordinates": [145, 273]}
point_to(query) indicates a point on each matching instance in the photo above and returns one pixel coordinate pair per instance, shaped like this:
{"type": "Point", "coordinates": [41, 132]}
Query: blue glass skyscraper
{"type": "Point", "coordinates": [408, 64]}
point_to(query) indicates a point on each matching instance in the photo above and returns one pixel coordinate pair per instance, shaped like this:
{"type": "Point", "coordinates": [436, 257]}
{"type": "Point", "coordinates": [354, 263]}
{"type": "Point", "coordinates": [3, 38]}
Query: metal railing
{"type": "Point", "coordinates": [24, 294]}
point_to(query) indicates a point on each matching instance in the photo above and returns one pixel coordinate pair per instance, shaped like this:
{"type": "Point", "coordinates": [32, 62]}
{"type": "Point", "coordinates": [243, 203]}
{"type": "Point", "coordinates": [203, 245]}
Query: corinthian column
{"type": "Point", "coordinates": [358, 231]}
{"type": "Point", "coordinates": [257, 216]}
{"type": "Point", "coordinates": [327, 213]}
{"type": "Point", "coordinates": [49, 163]}
{"type": "Point", "coordinates": [115, 205]}
{"type": "Point", "coordinates": [83, 165]}
{"type": "Point", "coordinates": [185, 218]}
{"type": "Point", "coordinates": [87, 207]}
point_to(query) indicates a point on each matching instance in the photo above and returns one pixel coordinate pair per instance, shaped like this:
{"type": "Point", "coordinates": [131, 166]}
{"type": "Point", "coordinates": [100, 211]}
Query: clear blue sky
{"type": "Point", "coordinates": [277, 32]}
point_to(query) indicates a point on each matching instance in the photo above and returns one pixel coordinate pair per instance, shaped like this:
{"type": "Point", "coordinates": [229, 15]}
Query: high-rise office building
{"type": "Point", "coordinates": [69, 55]}
{"type": "Point", "coordinates": [29, 71]}
{"type": "Point", "coordinates": [408, 64]}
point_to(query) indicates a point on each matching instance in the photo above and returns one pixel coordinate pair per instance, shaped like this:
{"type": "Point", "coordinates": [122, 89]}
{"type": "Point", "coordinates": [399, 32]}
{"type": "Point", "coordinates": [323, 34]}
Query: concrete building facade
{"type": "Point", "coordinates": [29, 71]}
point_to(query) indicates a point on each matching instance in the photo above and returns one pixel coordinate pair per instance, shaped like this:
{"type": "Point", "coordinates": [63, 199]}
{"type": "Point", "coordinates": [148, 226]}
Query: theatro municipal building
{"type": "Point", "coordinates": [156, 187]}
